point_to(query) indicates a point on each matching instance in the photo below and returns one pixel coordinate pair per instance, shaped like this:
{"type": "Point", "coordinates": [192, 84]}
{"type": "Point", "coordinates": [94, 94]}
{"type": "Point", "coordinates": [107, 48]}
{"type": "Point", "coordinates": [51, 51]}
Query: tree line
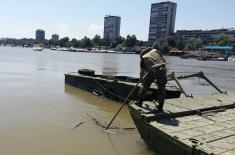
{"type": "Point", "coordinates": [129, 42]}
{"type": "Point", "coordinates": [165, 45]}
{"type": "Point", "coordinates": [97, 41]}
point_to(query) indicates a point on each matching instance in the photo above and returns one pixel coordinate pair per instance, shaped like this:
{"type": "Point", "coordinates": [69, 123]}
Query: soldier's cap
{"type": "Point", "coordinates": [146, 50]}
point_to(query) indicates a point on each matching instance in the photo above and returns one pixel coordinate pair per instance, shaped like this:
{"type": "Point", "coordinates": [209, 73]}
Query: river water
{"type": "Point", "coordinates": [38, 111]}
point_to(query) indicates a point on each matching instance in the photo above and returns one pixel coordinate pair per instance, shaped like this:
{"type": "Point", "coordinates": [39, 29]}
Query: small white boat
{"type": "Point", "coordinates": [111, 51]}
{"type": "Point", "coordinates": [231, 58]}
{"type": "Point", "coordinates": [84, 50]}
{"type": "Point", "coordinates": [53, 48]}
{"type": "Point", "coordinates": [64, 49]}
{"type": "Point", "coordinates": [37, 48]}
{"type": "Point", "coordinates": [220, 59]}
{"type": "Point", "coordinates": [103, 51]}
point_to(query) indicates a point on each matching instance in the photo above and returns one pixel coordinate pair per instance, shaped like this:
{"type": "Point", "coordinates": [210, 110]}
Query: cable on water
{"type": "Point", "coordinates": [105, 125]}
{"type": "Point", "coordinates": [78, 125]}
{"type": "Point", "coordinates": [112, 127]}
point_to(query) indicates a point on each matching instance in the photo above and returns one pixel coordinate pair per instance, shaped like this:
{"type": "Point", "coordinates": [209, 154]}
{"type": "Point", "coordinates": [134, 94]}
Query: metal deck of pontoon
{"type": "Point", "coordinates": [198, 125]}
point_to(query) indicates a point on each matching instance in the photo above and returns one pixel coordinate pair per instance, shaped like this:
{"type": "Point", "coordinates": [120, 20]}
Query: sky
{"type": "Point", "coordinates": [79, 18]}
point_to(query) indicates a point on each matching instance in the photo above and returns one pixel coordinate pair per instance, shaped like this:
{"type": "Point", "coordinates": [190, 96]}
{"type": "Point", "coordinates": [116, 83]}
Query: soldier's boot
{"type": "Point", "coordinates": [160, 106]}
{"type": "Point", "coordinates": [139, 103]}
{"type": "Point", "coordinates": [142, 96]}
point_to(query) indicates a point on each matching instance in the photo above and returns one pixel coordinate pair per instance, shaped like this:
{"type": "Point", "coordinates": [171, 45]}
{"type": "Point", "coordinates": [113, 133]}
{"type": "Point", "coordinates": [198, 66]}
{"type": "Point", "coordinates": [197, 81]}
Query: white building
{"type": "Point", "coordinates": [112, 27]}
{"type": "Point", "coordinates": [162, 20]}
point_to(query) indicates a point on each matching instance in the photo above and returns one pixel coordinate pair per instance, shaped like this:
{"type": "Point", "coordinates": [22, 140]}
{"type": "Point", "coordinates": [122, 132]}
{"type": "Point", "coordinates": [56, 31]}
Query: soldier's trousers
{"type": "Point", "coordinates": [158, 74]}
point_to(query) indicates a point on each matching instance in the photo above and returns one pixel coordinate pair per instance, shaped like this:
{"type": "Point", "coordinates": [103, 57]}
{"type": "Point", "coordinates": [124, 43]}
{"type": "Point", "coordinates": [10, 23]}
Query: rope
{"type": "Point", "coordinates": [103, 125]}
{"type": "Point", "coordinates": [112, 127]}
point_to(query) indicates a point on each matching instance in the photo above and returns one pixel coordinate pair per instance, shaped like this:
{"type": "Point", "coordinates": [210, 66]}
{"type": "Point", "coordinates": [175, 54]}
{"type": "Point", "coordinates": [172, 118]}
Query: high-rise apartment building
{"type": "Point", "coordinates": [112, 27]}
{"type": "Point", "coordinates": [162, 21]}
{"type": "Point", "coordinates": [40, 35]}
{"type": "Point", "coordinates": [55, 37]}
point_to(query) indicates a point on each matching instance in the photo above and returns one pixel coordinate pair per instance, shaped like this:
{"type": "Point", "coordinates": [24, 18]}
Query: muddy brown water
{"type": "Point", "coordinates": [38, 111]}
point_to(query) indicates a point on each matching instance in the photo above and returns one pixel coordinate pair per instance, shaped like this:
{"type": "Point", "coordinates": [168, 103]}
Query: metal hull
{"type": "Point", "coordinates": [114, 89]}
{"type": "Point", "coordinates": [157, 139]}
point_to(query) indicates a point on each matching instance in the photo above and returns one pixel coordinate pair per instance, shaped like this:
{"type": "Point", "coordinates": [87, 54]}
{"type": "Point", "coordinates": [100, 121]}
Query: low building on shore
{"type": "Point", "coordinates": [185, 36]}
{"type": "Point", "coordinates": [176, 52]}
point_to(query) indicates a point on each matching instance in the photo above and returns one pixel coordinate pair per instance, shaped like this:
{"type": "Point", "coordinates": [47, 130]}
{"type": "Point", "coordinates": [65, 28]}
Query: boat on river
{"type": "Point", "coordinates": [114, 87]}
{"type": "Point", "coordinates": [53, 48]}
{"type": "Point", "coordinates": [196, 125]}
{"type": "Point", "coordinates": [37, 48]}
{"type": "Point", "coordinates": [231, 58]}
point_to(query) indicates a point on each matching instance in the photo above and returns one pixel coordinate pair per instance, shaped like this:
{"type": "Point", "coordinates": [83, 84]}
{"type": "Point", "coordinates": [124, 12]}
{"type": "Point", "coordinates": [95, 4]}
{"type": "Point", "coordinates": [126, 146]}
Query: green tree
{"type": "Point", "coordinates": [64, 42]}
{"type": "Point", "coordinates": [163, 45]}
{"type": "Point", "coordinates": [189, 46]}
{"type": "Point", "coordinates": [198, 43]}
{"type": "Point", "coordinates": [131, 41]}
{"type": "Point", "coordinates": [117, 41]}
{"type": "Point", "coordinates": [142, 43]}
{"type": "Point", "coordinates": [194, 45]}
{"type": "Point", "coordinates": [105, 42]}
{"type": "Point", "coordinates": [75, 43]}
{"type": "Point", "coordinates": [96, 40]}
{"type": "Point", "coordinates": [223, 40]}
{"type": "Point", "coordinates": [171, 41]}
{"type": "Point", "coordinates": [53, 43]}
{"type": "Point", "coordinates": [180, 45]}
{"type": "Point", "coordinates": [86, 42]}
{"type": "Point", "coordinates": [156, 45]}
{"type": "Point", "coordinates": [233, 43]}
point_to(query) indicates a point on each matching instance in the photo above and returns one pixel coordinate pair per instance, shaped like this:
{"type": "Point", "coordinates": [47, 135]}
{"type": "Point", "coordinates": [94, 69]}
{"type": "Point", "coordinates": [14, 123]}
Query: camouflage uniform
{"type": "Point", "coordinates": [154, 64]}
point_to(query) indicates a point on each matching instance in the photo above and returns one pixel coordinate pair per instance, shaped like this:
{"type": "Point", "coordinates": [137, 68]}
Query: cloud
{"type": "Point", "coordinates": [63, 28]}
{"type": "Point", "coordinates": [94, 29]}
{"type": "Point", "coordinates": [23, 33]}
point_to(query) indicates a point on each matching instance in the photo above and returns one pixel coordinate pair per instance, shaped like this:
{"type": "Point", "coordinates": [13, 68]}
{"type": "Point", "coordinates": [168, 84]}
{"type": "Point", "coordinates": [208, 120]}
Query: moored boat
{"type": "Point", "coordinates": [231, 58]}
{"type": "Point", "coordinates": [64, 49]}
{"type": "Point", "coordinates": [53, 48]}
{"type": "Point", "coordinates": [114, 87]}
{"type": "Point", "coordinates": [37, 48]}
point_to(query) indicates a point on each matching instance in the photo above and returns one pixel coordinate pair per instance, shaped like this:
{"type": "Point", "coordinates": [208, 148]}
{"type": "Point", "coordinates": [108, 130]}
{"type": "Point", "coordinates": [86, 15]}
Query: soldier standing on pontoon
{"type": "Point", "coordinates": [152, 65]}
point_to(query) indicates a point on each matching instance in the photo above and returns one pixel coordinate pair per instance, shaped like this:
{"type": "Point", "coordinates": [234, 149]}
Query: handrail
{"type": "Point", "coordinates": [199, 75]}
{"type": "Point", "coordinates": [172, 75]}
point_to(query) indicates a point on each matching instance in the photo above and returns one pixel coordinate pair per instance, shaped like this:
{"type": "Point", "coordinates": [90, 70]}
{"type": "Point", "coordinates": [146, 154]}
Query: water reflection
{"type": "Point", "coordinates": [112, 68]}
{"type": "Point", "coordinates": [87, 97]}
